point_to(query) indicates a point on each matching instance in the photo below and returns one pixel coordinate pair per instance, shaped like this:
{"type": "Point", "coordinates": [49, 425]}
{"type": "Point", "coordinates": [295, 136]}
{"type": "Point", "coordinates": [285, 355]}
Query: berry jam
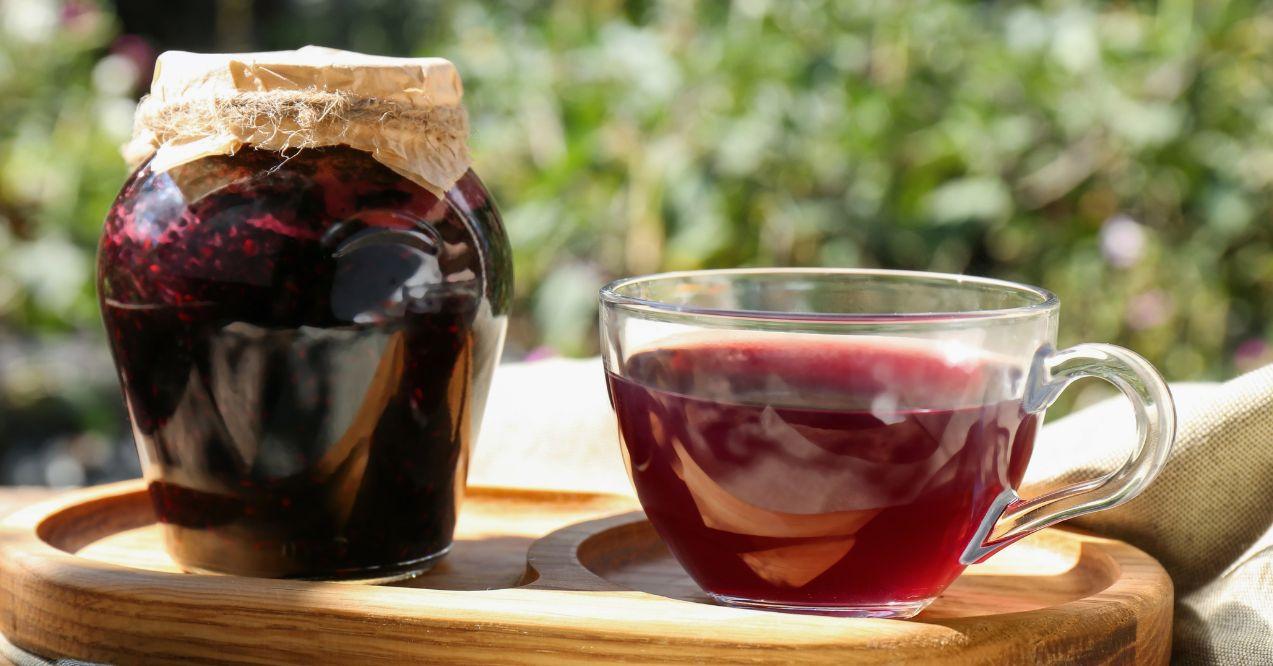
{"type": "Point", "coordinates": [305, 345]}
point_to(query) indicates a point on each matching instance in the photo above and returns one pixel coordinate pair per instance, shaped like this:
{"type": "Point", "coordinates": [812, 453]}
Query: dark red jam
{"type": "Point", "coordinates": [305, 346]}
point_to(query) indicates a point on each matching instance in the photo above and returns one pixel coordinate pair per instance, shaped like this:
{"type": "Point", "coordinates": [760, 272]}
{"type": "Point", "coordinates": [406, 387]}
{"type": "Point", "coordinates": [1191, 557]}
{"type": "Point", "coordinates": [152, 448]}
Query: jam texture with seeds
{"type": "Point", "coordinates": [305, 344]}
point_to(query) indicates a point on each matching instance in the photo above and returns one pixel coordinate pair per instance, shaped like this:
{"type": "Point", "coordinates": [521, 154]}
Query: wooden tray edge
{"type": "Point", "coordinates": [38, 580]}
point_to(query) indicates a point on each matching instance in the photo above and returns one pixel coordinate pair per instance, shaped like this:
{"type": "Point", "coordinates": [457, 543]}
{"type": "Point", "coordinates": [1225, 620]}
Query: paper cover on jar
{"type": "Point", "coordinates": [406, 112]}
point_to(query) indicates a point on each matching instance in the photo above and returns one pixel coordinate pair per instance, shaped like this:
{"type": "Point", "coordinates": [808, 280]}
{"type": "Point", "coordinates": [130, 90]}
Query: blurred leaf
{"type": "Point", "coordinates": [969, 199]}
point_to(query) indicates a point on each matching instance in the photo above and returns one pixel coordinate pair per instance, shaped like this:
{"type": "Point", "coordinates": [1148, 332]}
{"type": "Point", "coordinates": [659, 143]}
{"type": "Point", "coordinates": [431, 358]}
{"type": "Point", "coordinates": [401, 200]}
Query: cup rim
{"type": "Point", "coordinates": [1045, 300]}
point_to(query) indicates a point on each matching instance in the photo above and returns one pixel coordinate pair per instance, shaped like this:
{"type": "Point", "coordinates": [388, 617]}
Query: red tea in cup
{"type": "Point", "coordinates": [824, 473]}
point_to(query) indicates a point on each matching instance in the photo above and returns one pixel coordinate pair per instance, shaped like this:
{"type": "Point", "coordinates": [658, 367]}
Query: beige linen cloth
{"type": "Point", "coordinates": [1208, 518]}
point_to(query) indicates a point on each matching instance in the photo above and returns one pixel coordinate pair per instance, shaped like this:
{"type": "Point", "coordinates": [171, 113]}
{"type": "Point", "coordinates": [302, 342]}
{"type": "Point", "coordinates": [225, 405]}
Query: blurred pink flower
{"type": "Point", "coordinates": [1252, 354]}
{"type": "Point", "coordinates": [1150, 309]}
{"type": "Point", "coordinates": [540, 353]}
{"type": "Point", "coordinates": [1122, 241]}
{"type": "Point", "coordinates": [72, 10]}
{"type": "Point", "coordinates": [80, 17]}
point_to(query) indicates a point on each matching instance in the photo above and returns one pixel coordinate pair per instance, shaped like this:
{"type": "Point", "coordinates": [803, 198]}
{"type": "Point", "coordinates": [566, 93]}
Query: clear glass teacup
{"type": "Point", "coordinates": [847, 441]}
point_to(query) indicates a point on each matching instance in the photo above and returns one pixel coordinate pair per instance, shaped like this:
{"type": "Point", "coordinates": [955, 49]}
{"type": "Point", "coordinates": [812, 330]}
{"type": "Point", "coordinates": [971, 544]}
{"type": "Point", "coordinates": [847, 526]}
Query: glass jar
{"type": "Point", "coordinates": [305, 343]}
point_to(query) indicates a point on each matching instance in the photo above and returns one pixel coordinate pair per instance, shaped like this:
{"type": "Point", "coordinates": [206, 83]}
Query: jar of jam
{"type": "Point", "coordinates": [304, 309]}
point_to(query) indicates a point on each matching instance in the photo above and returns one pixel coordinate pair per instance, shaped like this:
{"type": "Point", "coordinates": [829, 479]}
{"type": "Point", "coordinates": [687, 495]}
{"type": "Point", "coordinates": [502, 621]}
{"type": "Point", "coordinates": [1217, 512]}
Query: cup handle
{"type": "Point", "coordinates": [1010, 517]}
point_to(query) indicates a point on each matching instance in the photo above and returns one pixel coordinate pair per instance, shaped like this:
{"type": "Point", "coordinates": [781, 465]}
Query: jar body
{"type": "Point", "coordinates": [305, 346]}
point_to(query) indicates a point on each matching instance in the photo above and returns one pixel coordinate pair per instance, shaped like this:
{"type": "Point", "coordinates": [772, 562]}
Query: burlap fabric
{"type": "Point", "coordinates": [406, 112]}
{"type": "Point", "coordinates": [1208, 517]}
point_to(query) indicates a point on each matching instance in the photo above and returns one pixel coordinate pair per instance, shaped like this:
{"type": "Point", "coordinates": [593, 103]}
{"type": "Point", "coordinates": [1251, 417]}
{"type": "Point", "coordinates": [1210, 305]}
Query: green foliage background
{"type": "Point", "coordinates": [992, 138]}
{"type": "Point", "coordinates": [1118, 153]}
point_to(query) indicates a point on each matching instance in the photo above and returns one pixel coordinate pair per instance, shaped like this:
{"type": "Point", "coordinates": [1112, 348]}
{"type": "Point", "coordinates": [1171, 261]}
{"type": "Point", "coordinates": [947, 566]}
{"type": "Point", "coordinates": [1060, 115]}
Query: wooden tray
{"type": "Point", "coordinates": [541, 577]}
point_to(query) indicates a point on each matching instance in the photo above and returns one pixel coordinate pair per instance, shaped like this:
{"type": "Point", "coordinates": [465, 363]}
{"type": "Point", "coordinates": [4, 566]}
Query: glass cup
{"type": "Point", "coordinates": [845, 442]}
